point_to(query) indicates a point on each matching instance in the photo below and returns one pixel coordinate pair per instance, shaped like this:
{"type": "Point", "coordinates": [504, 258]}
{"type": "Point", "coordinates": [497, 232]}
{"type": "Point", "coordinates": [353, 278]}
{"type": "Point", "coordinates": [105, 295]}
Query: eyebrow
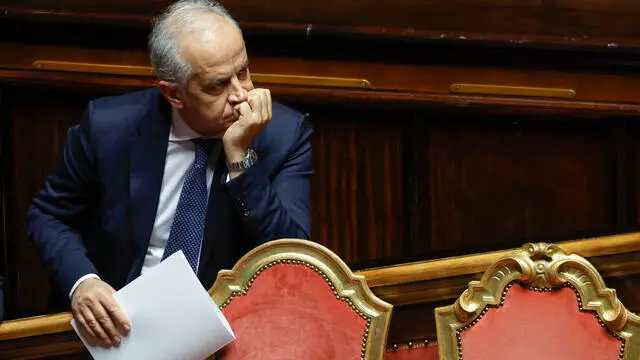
{"type": "Point", "coordinates": [213, 79]}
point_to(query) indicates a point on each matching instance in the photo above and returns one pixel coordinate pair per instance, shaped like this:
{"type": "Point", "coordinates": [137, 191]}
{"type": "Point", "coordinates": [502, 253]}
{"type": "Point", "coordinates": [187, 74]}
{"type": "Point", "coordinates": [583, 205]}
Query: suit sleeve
{"type": "Point", "coordinates": [278, 208]}
{"type": "Point", "coordinates": [58, 210]}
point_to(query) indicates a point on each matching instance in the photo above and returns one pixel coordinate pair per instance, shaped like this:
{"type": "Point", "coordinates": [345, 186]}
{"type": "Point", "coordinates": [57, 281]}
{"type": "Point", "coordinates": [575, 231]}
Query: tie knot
{"type": "Point", "coordinates": [203, 150]}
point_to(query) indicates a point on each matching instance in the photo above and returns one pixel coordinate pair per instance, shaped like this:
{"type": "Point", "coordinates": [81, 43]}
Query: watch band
{"type": "Point", "coordinates": [248, 161]}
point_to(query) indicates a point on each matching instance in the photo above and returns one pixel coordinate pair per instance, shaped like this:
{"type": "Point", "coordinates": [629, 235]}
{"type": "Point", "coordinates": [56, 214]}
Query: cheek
{"type": "Point", "coordinates": [220, 107]}
{"type": "Point", "coordinates": [211, 103]}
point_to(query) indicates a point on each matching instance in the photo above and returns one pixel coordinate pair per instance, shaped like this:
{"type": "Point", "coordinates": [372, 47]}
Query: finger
{"type": "Point", "coordinates": [265, 106]}
{"type": "Point", "coordinates": [83, 324]}
{"type": "Point", "coordinates": [94, 325]}
{"type": "Point", "coordinates": [251, 100]}
{"type": "Point", "coordinates": [105, 321]}
{"type": "Point", "coordinates": [269, 105]}
{"type": "Point", "coordinates": [256, 107]}
{"type": "Point", "coordinates": [115, 312]}
{"type": "Point", "coordinates": [244, 109]}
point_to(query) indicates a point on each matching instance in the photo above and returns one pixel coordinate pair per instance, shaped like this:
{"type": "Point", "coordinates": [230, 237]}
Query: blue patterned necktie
{"type": "Point", "coordinates": [187, 229]}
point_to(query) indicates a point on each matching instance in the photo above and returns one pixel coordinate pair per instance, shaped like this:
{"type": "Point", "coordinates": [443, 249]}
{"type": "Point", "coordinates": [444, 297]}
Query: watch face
{"type": "Point", "coordinates": [253, 155]}
{"type": "Point", "coordinates": [251, 158]}
{"type": "Point", "coordinates": [246, 163]}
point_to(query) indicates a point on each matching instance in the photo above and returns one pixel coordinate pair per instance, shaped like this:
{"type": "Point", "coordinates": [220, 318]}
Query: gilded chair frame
{"type": "Point", "coordinates": [345, 285]}
{"type": "Point", "coordinates": [541, 267]}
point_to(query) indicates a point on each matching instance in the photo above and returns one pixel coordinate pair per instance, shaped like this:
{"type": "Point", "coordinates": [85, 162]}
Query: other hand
{"type": "Point", "coordinates": [98, 313]}
{"type": "Point", "coordinates": [255, 114]}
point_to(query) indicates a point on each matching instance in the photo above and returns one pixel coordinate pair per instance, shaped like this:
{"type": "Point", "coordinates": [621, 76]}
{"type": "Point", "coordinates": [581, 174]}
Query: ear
{"type": "Point", "coordinates": [171, 93]}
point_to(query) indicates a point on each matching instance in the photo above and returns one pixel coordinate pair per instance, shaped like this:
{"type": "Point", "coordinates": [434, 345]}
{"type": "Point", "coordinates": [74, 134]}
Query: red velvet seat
{"type": "Point", "coordinates": [538, 303]}
{"type": "Point", "coordinates": [295, 299]}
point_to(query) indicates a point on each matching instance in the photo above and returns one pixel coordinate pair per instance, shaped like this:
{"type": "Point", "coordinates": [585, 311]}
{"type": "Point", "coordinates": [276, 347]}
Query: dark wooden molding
{"type": "Point", "coordinates": [525, 91]}
{"type": "Point", "coordinates": [356, 97]}
{"type": "Point", "coordinates": [475, 263]}
{"type": "Point", "coordinates": [64, 345]}
{"type": "Point", "coordinates": [326, 25]}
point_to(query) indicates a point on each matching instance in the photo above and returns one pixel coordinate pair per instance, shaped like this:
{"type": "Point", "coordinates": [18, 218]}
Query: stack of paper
{"type": "Point", "coordinates": [172, 317]}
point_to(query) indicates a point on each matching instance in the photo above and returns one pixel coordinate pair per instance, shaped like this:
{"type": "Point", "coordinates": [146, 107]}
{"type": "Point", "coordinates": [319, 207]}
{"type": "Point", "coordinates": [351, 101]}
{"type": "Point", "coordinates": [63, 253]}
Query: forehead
{"type": "Point", "coordinates": [213, 45]}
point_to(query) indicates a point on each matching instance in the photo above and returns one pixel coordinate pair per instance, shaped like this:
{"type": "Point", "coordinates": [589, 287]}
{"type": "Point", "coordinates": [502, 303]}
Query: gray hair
{"type": "Point", "coordinates": [164, 50]}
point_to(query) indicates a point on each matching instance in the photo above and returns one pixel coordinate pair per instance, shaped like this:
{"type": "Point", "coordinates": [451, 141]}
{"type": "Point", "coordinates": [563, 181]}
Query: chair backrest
{"type": "Point", "coordinates": [538, 303]}
{"type": "Point", "coordinates": [295, 299]}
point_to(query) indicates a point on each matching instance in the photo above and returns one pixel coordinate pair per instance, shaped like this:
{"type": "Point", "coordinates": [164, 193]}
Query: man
{"type": "Point", "coordinates": [204, 163]}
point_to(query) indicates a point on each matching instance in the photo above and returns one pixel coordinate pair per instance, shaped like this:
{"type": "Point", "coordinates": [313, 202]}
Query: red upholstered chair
{"type": "Point", "coordinates": [538, 303]}
{"type": "Point", "coordinates": [295, 299]}
{"type": "Point", "coordinates": [422, 350]}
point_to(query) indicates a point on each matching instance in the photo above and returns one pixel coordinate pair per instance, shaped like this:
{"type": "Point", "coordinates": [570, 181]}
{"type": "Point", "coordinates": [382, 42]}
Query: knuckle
{"type": "Point", "coordinates": [87, 303]}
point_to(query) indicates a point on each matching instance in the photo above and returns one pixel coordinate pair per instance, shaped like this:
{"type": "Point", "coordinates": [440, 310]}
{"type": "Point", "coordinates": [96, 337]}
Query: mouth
{"type": "Point", "coordinates": [229, 120]}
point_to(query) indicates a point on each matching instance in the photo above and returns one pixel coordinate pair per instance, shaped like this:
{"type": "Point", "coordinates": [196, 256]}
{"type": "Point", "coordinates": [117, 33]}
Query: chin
{"type": "Point", "coordinates": [216, 132]}
{"type": "Point", "coordinates": [222, 130]}
{"type": "Point", "coordinates": [216, 135]}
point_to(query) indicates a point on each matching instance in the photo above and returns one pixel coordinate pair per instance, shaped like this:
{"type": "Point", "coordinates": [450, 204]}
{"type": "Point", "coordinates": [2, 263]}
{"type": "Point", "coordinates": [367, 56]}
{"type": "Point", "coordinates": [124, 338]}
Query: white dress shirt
{"type": "Point", "coordinates": [180, 157]}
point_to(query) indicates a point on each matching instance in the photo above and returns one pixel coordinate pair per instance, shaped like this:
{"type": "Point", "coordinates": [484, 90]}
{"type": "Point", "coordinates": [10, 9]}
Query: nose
{"type": "Point", "coordinates": [238, 94]}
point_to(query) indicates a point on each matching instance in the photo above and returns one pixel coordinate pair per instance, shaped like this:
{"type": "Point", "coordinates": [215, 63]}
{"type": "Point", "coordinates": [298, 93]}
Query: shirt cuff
{"type": "Point", "coordinates": [80, 281]}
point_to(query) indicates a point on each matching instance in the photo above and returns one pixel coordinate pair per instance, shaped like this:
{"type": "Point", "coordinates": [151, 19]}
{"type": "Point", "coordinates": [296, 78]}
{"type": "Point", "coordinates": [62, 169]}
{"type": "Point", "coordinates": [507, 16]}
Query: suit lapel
{"type": "Point", "coordinates": [147, 153]}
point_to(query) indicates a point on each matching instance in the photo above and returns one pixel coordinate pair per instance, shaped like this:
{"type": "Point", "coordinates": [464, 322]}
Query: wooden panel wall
{"type": "Point", "coordinates": [391, 185]}
{"type": "Point", "coordinates": [516, 178]}
{"type": "Point", "coordinates": [3, 163]}
{"type": "Point", "coordinates": [357, 187]}
{"type": "Point", "coordinates": [406, 170]}
{"type": "Point", "coordinates": [37, 124]}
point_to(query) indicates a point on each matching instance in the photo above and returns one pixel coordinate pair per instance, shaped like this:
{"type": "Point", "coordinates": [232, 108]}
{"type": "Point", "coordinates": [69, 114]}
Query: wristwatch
{"type": "Point", "coordinates": [248, 161]}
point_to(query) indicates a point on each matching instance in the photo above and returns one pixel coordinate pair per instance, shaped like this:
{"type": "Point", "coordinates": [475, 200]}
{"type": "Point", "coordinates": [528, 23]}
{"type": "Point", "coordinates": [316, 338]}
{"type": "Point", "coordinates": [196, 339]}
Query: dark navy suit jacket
{"type": "Point", "coordinates": [97, 208]}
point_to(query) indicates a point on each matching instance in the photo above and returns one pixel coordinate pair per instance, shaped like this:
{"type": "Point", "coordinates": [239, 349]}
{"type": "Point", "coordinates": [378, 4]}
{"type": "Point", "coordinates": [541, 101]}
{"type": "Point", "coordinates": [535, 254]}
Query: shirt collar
{"type": "Point", "coordinates": [180, 131]}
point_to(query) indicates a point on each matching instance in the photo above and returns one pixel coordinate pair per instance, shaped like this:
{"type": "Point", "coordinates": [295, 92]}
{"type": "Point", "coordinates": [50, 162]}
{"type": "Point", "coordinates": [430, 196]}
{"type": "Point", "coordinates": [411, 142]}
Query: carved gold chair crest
{"type": "Point", "coordinates": [538, 303]}
{"type": "Point", "coordinates": [295, 299]}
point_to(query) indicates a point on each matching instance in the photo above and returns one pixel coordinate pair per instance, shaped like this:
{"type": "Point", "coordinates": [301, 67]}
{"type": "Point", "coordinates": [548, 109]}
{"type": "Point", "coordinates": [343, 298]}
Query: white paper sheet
{"type": "Point", "coordinates": [172, 317]}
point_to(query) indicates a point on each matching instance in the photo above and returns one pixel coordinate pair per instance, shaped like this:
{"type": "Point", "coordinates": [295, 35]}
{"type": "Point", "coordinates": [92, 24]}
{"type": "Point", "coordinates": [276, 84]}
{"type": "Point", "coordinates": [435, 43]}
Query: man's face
{"type": "Point", "coordinates": [220, 78]}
